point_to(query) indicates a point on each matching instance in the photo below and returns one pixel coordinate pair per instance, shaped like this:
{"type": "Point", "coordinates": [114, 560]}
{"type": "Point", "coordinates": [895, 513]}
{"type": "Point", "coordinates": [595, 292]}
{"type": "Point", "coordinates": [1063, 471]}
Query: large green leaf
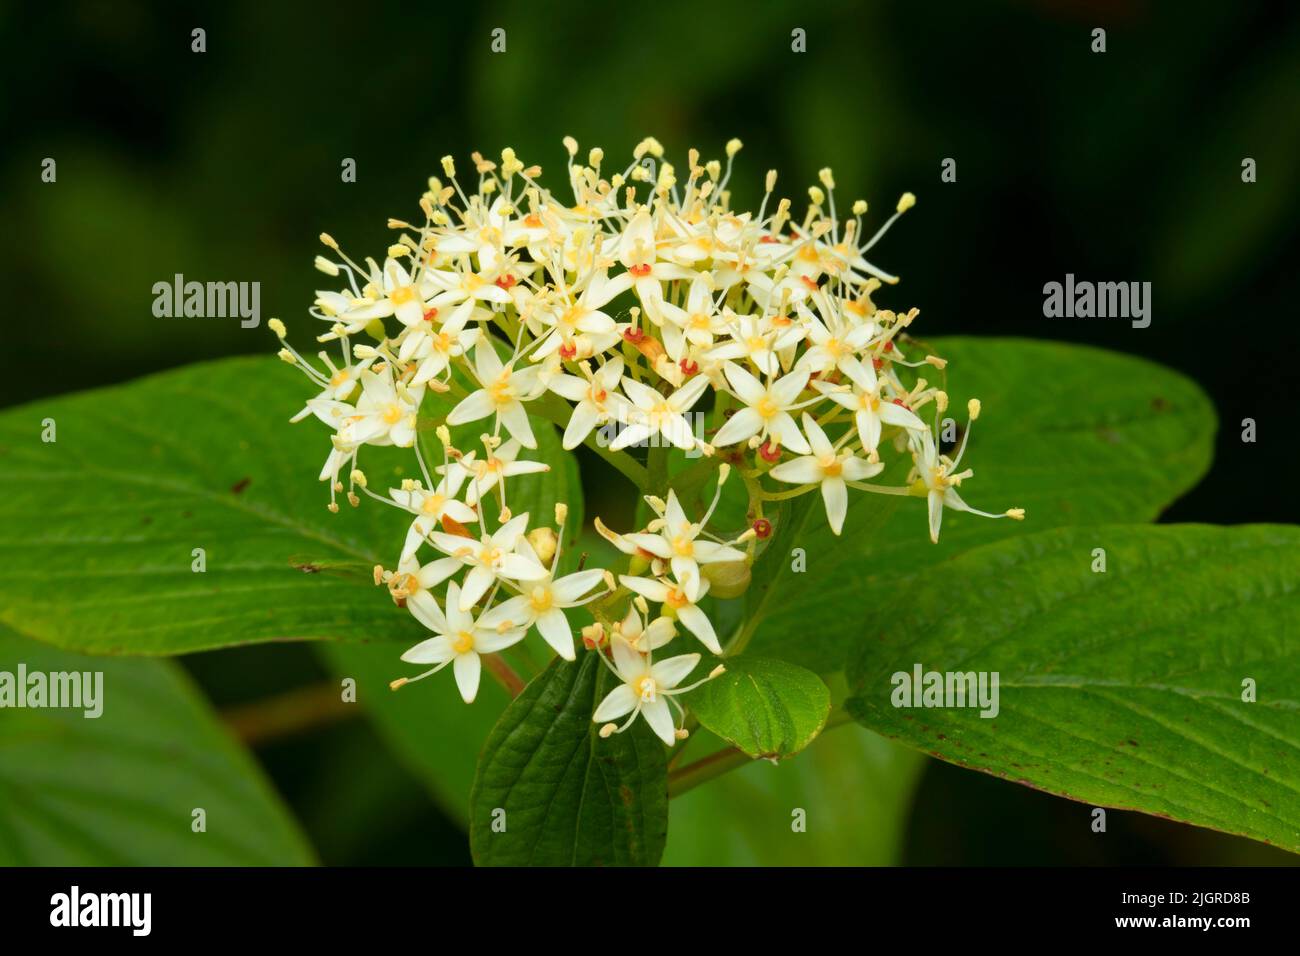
{"type": "Point", "coordinates": [565, 795]}
{"type": "Point", "coordinates": [1074, 435]}
{"type": "Point", "coordinates": [202, 457]}
{"type": "Point", "coordinates": [854, 787]}
{"type": "Point", "coordinates": [120, 789]}
{"type": "Point", "coordinates": [1120, 688]}
{"type": "Point", "coordinates": [766, 708]}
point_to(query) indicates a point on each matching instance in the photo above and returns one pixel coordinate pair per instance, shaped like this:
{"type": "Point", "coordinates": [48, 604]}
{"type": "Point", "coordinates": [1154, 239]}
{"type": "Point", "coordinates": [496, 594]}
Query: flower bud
{"type": "Point", "coordinates": [544, 543]}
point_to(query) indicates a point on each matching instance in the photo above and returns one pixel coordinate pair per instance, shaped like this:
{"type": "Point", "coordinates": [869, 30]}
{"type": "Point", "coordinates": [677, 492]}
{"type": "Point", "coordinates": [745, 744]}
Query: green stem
{"type": "Point", "coordinates": [657, 471]}
{"type": "Point", "coordinates": [287, 714]}
{"type": "Point", "coordinates": [704, 770]}
{"type": "Point", "coordinates": [724, 761]}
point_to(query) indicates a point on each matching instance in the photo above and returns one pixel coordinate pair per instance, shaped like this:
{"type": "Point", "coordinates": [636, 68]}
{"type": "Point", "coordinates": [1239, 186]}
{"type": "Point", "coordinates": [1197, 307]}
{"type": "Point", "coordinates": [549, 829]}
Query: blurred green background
{"type": "Point", "coordinates": [226, 165]}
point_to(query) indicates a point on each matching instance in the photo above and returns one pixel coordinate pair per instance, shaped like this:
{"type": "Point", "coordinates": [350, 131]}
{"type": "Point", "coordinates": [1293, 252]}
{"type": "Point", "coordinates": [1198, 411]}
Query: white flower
{"type": "Point", "coordinates": [678, 543]}
{"type": "Point", "coordinates": [385, 413]}
{"type": "Point", "coordinates": [504, 391]}
{"type": "Point", "coordinates": [649, 637]}
{"type": "Point", "coordinates": [638, 251]}
{"type": "Point", "coordinates": [759, 340]}
{"type": "Point", "coordinates": [645, 689]}
{"type": "Point", "coordinates": [542, 603]}
{"type": "Point", "coordinates": [767, 411]}
{"type": "Point", "coordinates": [938, 477]}
{"type": "Point", "coordinates": [834, 349]}
{"type": "Point", "coordinates": [655, 414]}
{"type": "Point", "coordinates": [328, 405]}
{"type": "Point", "coordinates": [490, 559]}
{"type": "Point", "coordinates": [595, 396]}
{"type": "Point", "coordinates": [434, 345]}
{"type": "Point", "coordinates": [413, 583]}
{"type": "Point", "coordinates": [571, 318]}
{"type": "Point", "coordinates": [828, 468]}
{"type": "Point", "coordinates": [677, 603]}
{"type": "Point", "coordinates": [484, 474]}
{"type": "Point", "coordinates": [400, 297]}
{"type": "Point", "coordinates": [459, 641]}
{"type": "Point", "coordinates": [869, 408]}
{"type": "Point", "coordinates": [697, 324]}
{"type": "Point", "coordinates": [429, 508]}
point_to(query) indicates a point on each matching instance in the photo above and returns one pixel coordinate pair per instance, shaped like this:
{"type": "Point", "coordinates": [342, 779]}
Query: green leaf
{"type": "Point", "coordinates": [766, 708]}
{"type": "Point", "coordinates": [1121, 688]}
{"type": "Point", "coordinates": [1072, 434]}
{"type": "Point", "coordinates": [99, 526]}
{"type": "Point", "coordinates": [120, 789]}
{"type": "Point", "coordinates": [854, 787]}
{"type": "Point", "coordinates": [564, 795]}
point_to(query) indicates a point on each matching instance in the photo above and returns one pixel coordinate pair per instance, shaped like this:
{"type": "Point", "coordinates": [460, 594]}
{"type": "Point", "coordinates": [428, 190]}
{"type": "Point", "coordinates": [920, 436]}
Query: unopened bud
{"type": "Point", "coordinates": [544, 544]}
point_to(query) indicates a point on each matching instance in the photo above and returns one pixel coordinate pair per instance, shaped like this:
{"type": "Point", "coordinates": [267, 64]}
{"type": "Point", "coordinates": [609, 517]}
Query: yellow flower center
{"type": "Point", "coordinates": [463, 642]}
{"type": "Point", "coordinates": [432, 504]}
{"type": "Point", "coordinates": [500, 391]}
{"type": "Point", "coordinates": [831, 466]}
{"type": "Point", "coordinates": [402, 295]}
{"type": "Point", "coordinates": [767, 407]}
{"type": "Point", "coordinates": [683, 546]}
{"type": "Point", "coordinates": [645, 687]}
{"type": "Point", "coordinates": [393, 414]}
{"type": "Point", "coordinates": [676, 599]}
{"type": "Point", "coordinates": [541, 598]}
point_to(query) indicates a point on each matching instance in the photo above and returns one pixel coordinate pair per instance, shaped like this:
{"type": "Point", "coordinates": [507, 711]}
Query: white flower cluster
{"type": "Point", "coordinates": [632, 302]}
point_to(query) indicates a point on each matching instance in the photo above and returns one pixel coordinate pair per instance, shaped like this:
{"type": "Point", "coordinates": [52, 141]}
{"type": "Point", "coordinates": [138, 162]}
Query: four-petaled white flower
{"type": "Point", "coordinates": [653, 413]}
{"type": "Point", "coordinates": [504, 391]}
{"type": "Point", "coordinates": [429, 506]}
{"type": "Point", "coordinates": [484, 474]}
{"type": "Point", "coordinates": [491, 558]}
{"type": "Point", "coordinates": [829, 468]}
{"type": "Point", "coordinates": [646, 689]}
{"type": "Point", "coordinates": [459, 640]}
{"type": "Point", "coordinates": [870, 410]}
{"type": "Point", "coordinates": [677, 603]}
{"type": "Point", "coordinates": [767, 409]}
{"type": "Point", "coordinates": [542, 603]}
{"type": "Point", "coordinates": [385, 413]}
{"type": "Point", "coordinates": [597, 401]}
{"type": "Point", "coordinates": [679, 544]}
